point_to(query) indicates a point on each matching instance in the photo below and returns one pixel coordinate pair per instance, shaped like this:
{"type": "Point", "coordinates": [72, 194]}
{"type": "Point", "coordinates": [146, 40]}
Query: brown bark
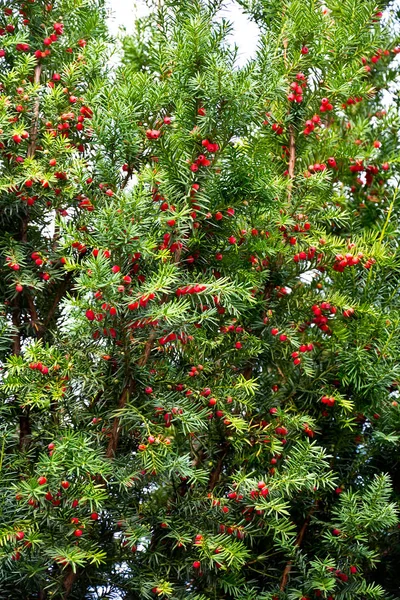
{"type": "Point", "coordinates": [147, 349]}
{"type": "Point", "coordinates": [16, 321]}
{"type": "Point", "coordinates": [127, 178]}
{"type": "Point", "coordinates": [298, 542]}
{"type": "Point", "coordinates": [216, 472]}
{"type": "Point", "coordinates": [113, 442]}
{"type": "Point", "coordinates": [68, 582]}
{"type": "Point", "coordinates": [123, 399]}
{"type": "Point", "coordinates": [24, 430]}
{"type": "Point", "coordinates": [59, 295]}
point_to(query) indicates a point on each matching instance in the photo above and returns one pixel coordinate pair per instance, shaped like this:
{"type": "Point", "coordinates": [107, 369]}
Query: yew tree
{"type": "Point", "coordinates": [200, 303]}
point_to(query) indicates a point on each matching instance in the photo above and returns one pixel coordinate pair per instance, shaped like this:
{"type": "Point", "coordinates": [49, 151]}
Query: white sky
{"type": "Point", "coordinates": [123, 12]}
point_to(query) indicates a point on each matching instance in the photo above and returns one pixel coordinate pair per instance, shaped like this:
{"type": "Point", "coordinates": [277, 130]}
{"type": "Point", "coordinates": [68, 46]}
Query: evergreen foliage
{"type": "Point", "coordinates": [199, 329]}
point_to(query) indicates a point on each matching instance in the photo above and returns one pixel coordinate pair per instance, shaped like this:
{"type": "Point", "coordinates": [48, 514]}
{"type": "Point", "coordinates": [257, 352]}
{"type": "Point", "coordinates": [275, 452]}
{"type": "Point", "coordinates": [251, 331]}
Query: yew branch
{"type": "Point", "coordinates": [298, 542]}
{"type": "Point", "coordinates": [36, 108]}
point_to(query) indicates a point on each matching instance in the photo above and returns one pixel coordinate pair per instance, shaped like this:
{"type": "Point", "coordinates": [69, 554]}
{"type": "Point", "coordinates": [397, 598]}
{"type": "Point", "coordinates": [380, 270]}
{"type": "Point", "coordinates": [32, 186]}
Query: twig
{"type": "Point", "coordinates": [59, 294]}
{"type": "Point", "coordinates": [36, 108]}
{"type": "Point", "coordinates": [298, 542]}
{"type": "Point", "coordinates": [69, 581]}
{"type": "Point", "coordinates": [292, 160]}
{"type": "Point", "coordinates": [114, 437]}
{"type": "Point", "coordinates": [216, 472]}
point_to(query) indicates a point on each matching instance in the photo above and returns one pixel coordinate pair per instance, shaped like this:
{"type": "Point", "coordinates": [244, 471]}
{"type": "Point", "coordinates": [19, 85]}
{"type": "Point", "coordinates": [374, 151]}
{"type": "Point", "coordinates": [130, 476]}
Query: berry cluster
{"type": "Point", "coordinates": [302, 349]}
{"type": "Point", "coordinates": [296, 95]}
{"type": "Point", "coordinates": [38, 366]}
{"type": "Point", "coordinates": [153, 134]}
{"type": "Point", "coordinates": [347, 260]}
{"type": "Point", "coordinates": [311, 124]}
{"type": "Point", "coordinates": [278, 129]}
{"type": "Point", "coordinates": [325, 105]}
{"type": "Point", "coordinates": [328, 400]}
{"type": "Point", "coordinates": [142, 302]}
{"type": "Point", "coordinates": [202, 160]}
{"type": "Point", "coordinates": [191, 289]}
{"type": "Point", "coordinates": [320, 319]}
{"type": "Point", "coordinates": [309, 255]}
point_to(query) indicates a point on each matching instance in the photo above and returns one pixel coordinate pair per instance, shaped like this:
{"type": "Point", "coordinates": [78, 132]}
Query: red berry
{"type": "Point", "coordinates": [78, 532]}
{"type": "Point", "coordinates": [65, 484]}
{"type": "Point", "coordinates": [42, 480]}
{"type": "Point", "coordinates": [196, 564]}
{"type": "Point", "coordinates": [20, 535]}
{"type": "Point", "coordinates": [94, 516]}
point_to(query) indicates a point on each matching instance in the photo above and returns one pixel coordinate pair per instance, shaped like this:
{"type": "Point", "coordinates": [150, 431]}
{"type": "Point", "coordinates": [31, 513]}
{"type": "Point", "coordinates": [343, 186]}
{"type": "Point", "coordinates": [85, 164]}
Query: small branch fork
{"type": "Point", "coordinates": [298, 542]}
{"type": "Point", "coordinates": [128, 389]}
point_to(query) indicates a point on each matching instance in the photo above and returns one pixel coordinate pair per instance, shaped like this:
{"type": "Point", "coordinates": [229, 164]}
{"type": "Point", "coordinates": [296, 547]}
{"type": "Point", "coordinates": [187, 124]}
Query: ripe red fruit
{"type": "Point", "coordinates": [304, 50]}
{"type": "Point", "coordinates": [353, 569]}
{"type": "Point", "coordinates": [336, 532]}
{"type": "Point", "coordinates": [238, 345]}
{"type": "Point", "coordinates": [232, 240]}
{"type": "Point", "coordinates": [148, 390]}
{"type": "Point", "coordinates": [42, 480]}
{"type": "Point", "coordinates": [94, 516]}
{"type": "Point", "coordinates": [196, 564]}
{"type": "Point", "coordinates": [65, 484]}
{"type": "Point", "coordinates": [19, 287]}
{"type": "Point", "coordinates": [274, 331]}
{"type": "Point", "coordinates": [90, 315]}
{"type": "Point", "coordinates": [78, 532]}
{"type": "Point", "coordinates": [20, 535]}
